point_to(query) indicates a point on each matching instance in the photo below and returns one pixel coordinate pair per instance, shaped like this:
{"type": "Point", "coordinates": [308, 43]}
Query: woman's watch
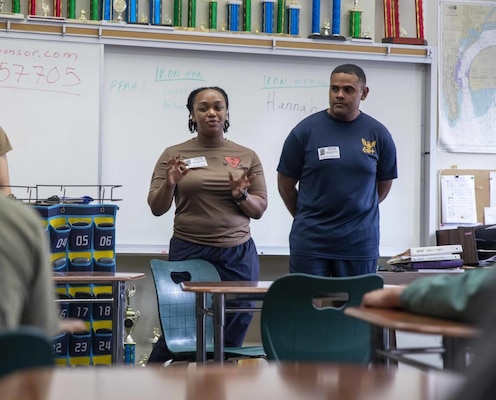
{"type": "Point", "coordinates": [243, 197]}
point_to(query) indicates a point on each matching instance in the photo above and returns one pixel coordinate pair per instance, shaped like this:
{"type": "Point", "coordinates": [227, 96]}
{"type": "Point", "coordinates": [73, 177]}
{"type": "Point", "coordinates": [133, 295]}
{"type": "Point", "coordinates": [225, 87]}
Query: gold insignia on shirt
{"type": "Point", "coordinates": [368, 147]}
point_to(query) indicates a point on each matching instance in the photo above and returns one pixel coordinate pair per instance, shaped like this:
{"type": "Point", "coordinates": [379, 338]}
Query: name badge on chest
{"type": "Point", "coordinates": [326, 153]}
{"type": "Point", "coordinates": [196, 162]}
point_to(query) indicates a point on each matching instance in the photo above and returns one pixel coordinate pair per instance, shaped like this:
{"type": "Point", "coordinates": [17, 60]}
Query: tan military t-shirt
{"type": "Point", "coordinates": [205, 211]}
{"type": "Point", "coordinates": [5, 146]}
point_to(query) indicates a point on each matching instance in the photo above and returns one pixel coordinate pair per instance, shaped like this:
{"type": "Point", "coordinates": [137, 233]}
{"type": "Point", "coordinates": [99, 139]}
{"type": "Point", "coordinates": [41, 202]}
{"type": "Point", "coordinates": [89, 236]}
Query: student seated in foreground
{"type": "Point", "coordinates": [467, 297]}
{"type": "Point", "coordinates": [27, 290]}
{"type": "Point", "coordinates": [449, 296]}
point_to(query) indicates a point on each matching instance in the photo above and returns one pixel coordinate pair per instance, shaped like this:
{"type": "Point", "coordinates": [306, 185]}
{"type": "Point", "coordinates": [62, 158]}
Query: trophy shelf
{"type": "Point", "coordinates": [169, 37]}
{"type": "Point", "coordinates": [405, 40]}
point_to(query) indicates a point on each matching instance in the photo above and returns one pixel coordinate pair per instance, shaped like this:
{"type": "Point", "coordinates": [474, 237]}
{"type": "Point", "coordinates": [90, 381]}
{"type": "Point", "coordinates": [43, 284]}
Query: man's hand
{"type": "Point", "coordinates": [383, 298]}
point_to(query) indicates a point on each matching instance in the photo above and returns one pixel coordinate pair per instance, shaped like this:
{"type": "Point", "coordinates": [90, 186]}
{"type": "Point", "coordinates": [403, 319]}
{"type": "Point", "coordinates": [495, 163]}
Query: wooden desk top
{"type": "Point", "coordinates": [75, 277]}
{"type": "Point", "coordinates": [262, 382]}
{"type": "Point", "coordinates": [238, 287]}
{"type": "Point", "coordinates": [405, 321]}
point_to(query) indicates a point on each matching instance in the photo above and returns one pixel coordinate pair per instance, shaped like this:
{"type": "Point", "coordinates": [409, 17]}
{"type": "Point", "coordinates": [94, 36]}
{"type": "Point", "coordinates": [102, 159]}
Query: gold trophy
{"type": "Point", "coordinates": [119, 6]}
{"type": "Point", "coordinates": [131, 319]}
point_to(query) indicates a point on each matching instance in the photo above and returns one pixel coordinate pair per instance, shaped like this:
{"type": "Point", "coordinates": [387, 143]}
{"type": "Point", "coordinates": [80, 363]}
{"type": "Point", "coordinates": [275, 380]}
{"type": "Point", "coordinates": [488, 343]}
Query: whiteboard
{"type": "Point", "coordinates": [50, 110]}
{"type": "Point", "coordinates": [145, 93]}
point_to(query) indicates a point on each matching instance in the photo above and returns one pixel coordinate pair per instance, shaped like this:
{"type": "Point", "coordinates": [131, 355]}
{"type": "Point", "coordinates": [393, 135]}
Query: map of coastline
{"type": "Point", "coordinates": [467, 81]}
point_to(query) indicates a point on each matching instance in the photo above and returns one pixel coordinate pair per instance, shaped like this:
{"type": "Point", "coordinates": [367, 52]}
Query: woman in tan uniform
{"type": "Point", "coordinates": [217, 186]}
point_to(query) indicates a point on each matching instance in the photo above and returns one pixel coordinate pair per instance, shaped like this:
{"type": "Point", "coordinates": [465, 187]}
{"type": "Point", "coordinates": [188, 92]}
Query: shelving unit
{"type": "Point", "coordinates": [183, 38]}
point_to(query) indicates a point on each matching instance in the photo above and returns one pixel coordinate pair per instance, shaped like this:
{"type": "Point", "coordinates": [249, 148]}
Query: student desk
{"type": "Point", "coordinates": [455, 336]}
{"type": "Point", "coordinates": [118, 282]}
{"type": "Point", "coordinates": [219, 290]}
{"type": "Point", "coordinates": [262, 382]}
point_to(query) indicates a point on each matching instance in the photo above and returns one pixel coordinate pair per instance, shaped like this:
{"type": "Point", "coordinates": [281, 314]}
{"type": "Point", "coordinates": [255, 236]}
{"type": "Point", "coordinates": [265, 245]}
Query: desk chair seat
{"type": "Point", "coordinates": [177, 309]}
{"type": "Point", "coordinates": [303, 319]}
{"type": "Point", "coordinates": [24, 347]}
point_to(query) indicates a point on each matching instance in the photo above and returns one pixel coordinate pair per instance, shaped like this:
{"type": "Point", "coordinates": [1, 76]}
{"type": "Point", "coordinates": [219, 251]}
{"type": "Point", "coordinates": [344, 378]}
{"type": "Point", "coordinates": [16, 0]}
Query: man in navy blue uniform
{"type": "Point", "coordinates": [336, 166]}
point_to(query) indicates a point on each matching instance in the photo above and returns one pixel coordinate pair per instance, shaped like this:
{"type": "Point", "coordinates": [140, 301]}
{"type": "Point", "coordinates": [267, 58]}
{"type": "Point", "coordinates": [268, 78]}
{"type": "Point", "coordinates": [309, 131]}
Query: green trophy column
{"type": "Point", "coordinates": [281, 9]}
{"type": "Point", "coordinates": [94, 7]}
{"type": "Point", "coordinates": [355, 22]}
{"type": "Point", "coordinates": [212, 14]}
{"type": "Point", "coordinates": [16, 6]}
{"type": "Point", "coordinates": [71, 9]}
{"type": "Point", "coordinates": [178, 14]}
{"type": "Point", "coordinates": [247, 15]}
{"type": "Point", "coordinates": [191, 13]}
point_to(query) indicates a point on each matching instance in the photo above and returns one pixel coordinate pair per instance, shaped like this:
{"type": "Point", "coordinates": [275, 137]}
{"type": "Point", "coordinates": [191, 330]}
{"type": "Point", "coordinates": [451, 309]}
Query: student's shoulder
{"type": "Point", "coordinates": [19, 212]}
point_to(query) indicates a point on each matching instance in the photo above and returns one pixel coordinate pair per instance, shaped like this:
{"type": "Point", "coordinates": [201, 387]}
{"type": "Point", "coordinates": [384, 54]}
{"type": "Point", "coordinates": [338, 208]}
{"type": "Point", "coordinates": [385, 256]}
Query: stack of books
{"type": "Point", "coordinates": [429, 257]}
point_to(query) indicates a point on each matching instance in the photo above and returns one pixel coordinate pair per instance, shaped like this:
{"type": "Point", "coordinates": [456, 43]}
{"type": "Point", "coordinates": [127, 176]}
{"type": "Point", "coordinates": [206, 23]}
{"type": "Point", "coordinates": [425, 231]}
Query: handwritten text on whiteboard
{"type": "Point", "coordinates": [42, 69]}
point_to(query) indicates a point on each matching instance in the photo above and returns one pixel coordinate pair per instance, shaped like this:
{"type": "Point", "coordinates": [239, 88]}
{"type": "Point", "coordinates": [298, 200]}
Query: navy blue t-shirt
{"type": "Point", "coordinates": [337, 164]}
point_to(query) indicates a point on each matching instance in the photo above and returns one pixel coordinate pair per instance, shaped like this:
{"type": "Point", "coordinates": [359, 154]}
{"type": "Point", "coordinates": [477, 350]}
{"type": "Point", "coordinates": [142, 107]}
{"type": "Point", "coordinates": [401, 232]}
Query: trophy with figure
{"type": "Point", "coordinates": [130, 321]}
{"type": "Point", "coordinates": [392, 29]}
{"type": "Point", "coordinates": [329, 31]}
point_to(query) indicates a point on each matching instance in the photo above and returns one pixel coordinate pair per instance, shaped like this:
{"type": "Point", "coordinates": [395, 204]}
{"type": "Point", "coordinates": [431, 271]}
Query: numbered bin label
{"type": "Point", "coordinates": [59, 237]}
{"type": "Point", "coordinates": [104, 236]}
{"type": "Point", "coordinates": [64, 307]}
{"type": "Point", "coordinates": [102, 311]}
{"type": "Point", "coordinates": [80, 344]}
{"type": "Point", "coordinates": [59, 345]}
{"type": "Point", "coordinates": [81, 309]}
{"type": "Point", "coordinates": [81, 236]}
{"type": "Point", "coordinates": [102, 342]}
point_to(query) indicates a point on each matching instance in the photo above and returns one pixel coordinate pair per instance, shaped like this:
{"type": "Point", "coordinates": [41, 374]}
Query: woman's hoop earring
{"type": "Point", "coordinates": [191, 125]}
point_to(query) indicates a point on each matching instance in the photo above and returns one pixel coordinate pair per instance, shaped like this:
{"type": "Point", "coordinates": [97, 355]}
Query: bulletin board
{"type": "Point", "coordinates": [482, 187]}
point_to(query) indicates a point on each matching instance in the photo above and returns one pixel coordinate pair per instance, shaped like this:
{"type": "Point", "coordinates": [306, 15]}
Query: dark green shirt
{"type": "Point", "coordinates": [450, 296]}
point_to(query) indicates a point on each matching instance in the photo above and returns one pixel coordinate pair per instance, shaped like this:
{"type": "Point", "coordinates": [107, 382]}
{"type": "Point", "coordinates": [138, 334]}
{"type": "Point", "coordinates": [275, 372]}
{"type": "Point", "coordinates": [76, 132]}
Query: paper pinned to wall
{"type": "Point", "coordinates": [458, 199]}
{"type": "Point", "coordinates": [490, 215]}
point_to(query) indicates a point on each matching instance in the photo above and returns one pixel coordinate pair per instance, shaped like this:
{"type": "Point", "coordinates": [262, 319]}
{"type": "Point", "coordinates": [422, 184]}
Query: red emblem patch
{"type": "Point", "coordinates": [232, 161]}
